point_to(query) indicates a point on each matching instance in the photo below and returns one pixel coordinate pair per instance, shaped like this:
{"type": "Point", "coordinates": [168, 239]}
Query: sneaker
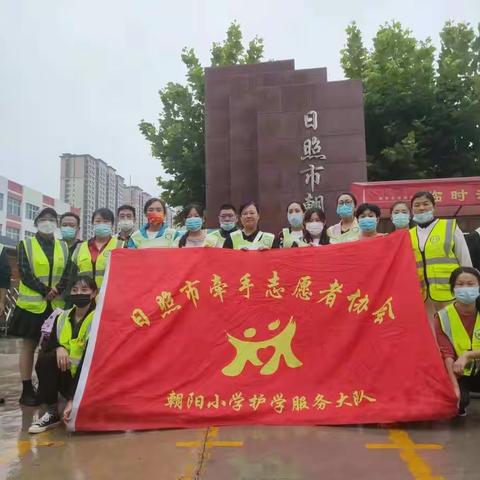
{"type": "Point", "coordinates": [29, 399]}
{"type": "Point", "coordinates": [46, 422]}
{"type": "Point", "coordinates": [461, 412]}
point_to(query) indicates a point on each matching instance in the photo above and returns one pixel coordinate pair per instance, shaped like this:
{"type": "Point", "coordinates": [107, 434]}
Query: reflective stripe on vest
{"type": "Point", "coordinates": [453, 328]}
{"type": "Point", "coordinates": [29, 299]}
{"type": "Point", "coordinates": [83, 260]}
{"type": "Point", "coordinates": [167, 240]}
{"type": "Point", "coordinates": [74, 346]}
{"type": "Point", "coordinates": [261, 239]}
{"type": "Point", "coordinates": [437, 261]}
{"type": "Point", "coordinates": [289, 239]}
{"type": "Point", "coordinates": [215, 239]}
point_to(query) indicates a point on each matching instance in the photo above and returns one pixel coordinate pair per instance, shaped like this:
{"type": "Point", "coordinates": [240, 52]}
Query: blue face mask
{"type": "Point", "coordinates": [401, 220]}
{"type": "Point", "coordinates": [295, 219]}
{"type": "Point", "coordinates": [345, 210]}
{"type": "Point", "coordinates": [227, 226]}
{"type": "Point", "coordinates": [466, 295]}
{"type": "Point", "coordinates": [102, 230]}
{"type": "Point", "coordinates": [193, 224]}
{"type": "Point", "coordinates": [367, 224]}
{"type": "Point", "coordinates": [68, 233]}
{"type": "Point", "coordinates": [424, 217]}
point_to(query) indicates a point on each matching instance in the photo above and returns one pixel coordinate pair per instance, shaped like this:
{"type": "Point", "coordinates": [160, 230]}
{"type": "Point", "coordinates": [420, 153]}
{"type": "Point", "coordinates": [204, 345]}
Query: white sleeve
{"type": "Point", "coordinates": [461, 249]}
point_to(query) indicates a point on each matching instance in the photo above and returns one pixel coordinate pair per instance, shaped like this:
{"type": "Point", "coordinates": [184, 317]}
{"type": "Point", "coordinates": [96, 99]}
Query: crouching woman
{"type": "Point", "coordinates": [59, 363]}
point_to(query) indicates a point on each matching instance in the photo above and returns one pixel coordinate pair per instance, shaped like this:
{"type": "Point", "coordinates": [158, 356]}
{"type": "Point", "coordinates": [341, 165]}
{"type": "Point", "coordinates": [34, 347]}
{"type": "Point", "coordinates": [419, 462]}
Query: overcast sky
{"type": "Point", "coordinates": [78, 75]}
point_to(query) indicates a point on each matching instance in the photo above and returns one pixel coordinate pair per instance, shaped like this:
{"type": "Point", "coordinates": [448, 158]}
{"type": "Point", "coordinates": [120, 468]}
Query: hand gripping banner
{"type": "Point", "coordinates": [302, 336]}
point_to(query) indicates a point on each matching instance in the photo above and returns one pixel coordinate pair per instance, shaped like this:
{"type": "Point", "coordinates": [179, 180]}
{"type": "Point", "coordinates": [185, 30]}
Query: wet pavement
{"type": "Point", "coordinates": [424, 451]}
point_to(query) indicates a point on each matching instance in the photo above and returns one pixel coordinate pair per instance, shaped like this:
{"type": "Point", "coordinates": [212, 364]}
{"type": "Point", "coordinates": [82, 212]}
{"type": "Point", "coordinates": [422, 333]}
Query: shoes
{"type": "Point", "coordinates": [29, 399]}
{"type": "Point", "coordinates": [46, 422]}
{"type": "Point", "coordinates": [461, 412]}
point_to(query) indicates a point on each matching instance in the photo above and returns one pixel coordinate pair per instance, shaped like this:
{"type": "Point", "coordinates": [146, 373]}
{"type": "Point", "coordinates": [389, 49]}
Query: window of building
{"type": "Point", "coordinates": [1, 201]}
{"type": "Point", "coordinates": [13, 207]}
{"type": "Point", "coordinates": [13, 233]}
{"type": "Point", "coordinates": [31, 211]}
{"type": "Point", "coordinates": [29, 234]}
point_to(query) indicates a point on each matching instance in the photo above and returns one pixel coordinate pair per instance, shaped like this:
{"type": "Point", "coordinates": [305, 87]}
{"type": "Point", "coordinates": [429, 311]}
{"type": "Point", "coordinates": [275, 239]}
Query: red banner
{"type": "Point", "coordinates": [306, 336]}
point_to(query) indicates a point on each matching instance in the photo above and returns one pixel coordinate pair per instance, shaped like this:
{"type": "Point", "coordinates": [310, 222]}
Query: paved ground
{"type": "Point", "coordinates": [429, 451]}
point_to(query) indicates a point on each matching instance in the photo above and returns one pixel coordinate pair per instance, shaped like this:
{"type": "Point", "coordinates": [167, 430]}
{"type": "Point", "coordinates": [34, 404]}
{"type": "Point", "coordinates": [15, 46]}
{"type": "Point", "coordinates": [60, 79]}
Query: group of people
{"type": "Point", "coordinates": [60, 278]}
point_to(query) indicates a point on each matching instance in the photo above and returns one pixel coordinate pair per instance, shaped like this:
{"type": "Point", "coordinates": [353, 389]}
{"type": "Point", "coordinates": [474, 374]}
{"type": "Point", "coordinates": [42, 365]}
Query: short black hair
{"type": "Point", "coordinates": [46, 211]}
{"type": "Point", "coordinates": [423, 194]}
{"type": "Point", "coordinates": [351, 195]}
{"type": "Point", "coordinates": [248, 204]}
{"type": "Point", "coordinates": [368, 206]}
{"type": "Point", "coordinates": [127, 207]}
{"type": "Point", "coordinates": [227, 206]}
{"type": "Point", "coordinates": [70, 214]}
{"type": "Point", "coordinates": [458, 271]}
{"type": "Point", "coordinates": [105, 213]}
{"type": "Point", "coordinates": [400, 202]}
{"type": "Point", "coordinates": [311, 211]}
{"type": "Point", "coordinates": [193, 206]}
{"type": "Point", "coordinates": [86, 280]}
{"type": "Point", "coordinates": [153, 200]}
{"type": "Point", "coordinates": [302, 206]}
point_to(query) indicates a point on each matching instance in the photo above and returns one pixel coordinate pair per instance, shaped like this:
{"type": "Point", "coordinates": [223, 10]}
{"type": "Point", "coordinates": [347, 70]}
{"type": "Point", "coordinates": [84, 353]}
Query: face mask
{"type": "Point", "coordinates": [466, 295]}
{"type": "Point", "coordinates": [102, 230]}
{"type": "Point", "coordinates": [401, 220]}
{"type": "Point", "coordinates": [68, 233]}
{"type": "Point", "coordinates": [314, 228]}
{"type": "Point", "coordinates": [295, 219]}
{"type": "Point", "coordinates": [155, 218]}
{"type": "Point", "coordinates": [80, 299]}
{"type": "Point", "coordinates": [367, 224]}
{"type": "Point", "coordinates": [424, 217]}
{"type": "Point", "coordinates": [193, 224]}
{"type": "Point", "coordinates": [46, 226]}
{"type": "Point", "coordinates": [345, 210]}
{"type": "Point", "coordinates": [227, 226]}
{"type": "Point", "coordinates": [125, 225]}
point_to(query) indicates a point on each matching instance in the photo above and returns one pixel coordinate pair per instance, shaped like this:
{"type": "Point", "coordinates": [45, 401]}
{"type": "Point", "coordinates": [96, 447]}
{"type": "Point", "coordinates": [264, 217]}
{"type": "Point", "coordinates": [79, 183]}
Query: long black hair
{"type": "Point", "coordinates": [324, 240]}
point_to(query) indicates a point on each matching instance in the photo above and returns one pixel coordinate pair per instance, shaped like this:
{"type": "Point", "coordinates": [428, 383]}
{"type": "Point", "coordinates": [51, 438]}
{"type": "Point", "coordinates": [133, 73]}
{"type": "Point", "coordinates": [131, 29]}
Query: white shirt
{"type": "Point", "coordinates": [460, 247]}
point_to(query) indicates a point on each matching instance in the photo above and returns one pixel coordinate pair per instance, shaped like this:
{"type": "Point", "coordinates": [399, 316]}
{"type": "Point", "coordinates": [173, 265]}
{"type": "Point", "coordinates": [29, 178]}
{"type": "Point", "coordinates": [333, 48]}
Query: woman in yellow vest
{"type": "Point", "coordinates": [249, 237]}
{"type": "Point", "coordinates": [293, 236]}
{"type": "Point", "coordinates": [347, 230]}
{"type": "Point", "coordinates": [439, 247]}
{"type": "Point", "coordinates": [59, 362]}
{"type": "Point", "coordinates": [457, 327]}
{"type": "Point", "coordinates": [155, 234]}
{"type": "Point", "coordinates": [42, 264]}
{"type": "Point", "coordinates": [91, 257]}
{"type": "Point", "coordinates": [195, 235]}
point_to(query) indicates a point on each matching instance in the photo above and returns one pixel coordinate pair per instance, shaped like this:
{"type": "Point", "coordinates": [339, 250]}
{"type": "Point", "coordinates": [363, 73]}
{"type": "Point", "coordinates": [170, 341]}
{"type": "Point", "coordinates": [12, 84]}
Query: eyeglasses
{"type": "Point", "coordinates": [345, 202]}
{"type": "Point", "coordinates": [226, 217]}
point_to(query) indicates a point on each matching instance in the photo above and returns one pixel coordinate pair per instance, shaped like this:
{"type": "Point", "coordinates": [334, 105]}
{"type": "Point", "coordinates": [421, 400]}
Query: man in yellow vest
{"type": "Point", "coordinates": [42, 264]}
{"type": "Point", "coordinates": [228, 219]}
{"type": "Point", "coordinates": [440, 248]}
{"type": "Point", "coordinates": [91, 257]}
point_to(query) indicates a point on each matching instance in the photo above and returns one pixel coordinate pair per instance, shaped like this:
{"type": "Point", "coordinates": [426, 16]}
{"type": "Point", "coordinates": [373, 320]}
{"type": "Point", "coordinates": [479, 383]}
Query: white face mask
{"type": "Point", "coordinates": [47, 226]}
{"type": "Point", "coordinates": [125, 225]}
{"type": "Point", "coordinates": [314, 228]}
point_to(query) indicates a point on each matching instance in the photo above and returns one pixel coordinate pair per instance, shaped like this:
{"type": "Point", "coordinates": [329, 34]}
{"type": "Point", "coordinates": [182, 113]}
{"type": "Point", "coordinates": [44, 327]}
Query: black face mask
{"type": "Point", "coordinates": [80, 299]}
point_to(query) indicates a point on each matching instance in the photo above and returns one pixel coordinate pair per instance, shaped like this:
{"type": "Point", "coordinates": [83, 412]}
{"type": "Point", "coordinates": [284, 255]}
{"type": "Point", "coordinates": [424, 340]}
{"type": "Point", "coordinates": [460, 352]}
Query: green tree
{"type": "Point", "coordinates": [178, 140]}
{"type": "Point", "coordinates": [419, 120]}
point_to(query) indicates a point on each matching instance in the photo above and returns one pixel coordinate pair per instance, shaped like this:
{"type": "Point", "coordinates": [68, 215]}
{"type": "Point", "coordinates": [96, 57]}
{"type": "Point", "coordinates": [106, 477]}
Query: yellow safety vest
{"type": "Point", "coordinates": [215, 239]}
{"type": "Point", "coordinates": [167, 240]}
{"type": "Point", "coordinates": [351, 235]}
{"type": "Point", "coordinates": [289, 240]}
{"type": "Point", "coordinates": [74, 346]}
{"type": "Point", "coordinates": [453, 328]}
{"type": "Point", "coordinates": [262, 239]}
{"type": "Point", "coordinates": [29, 299]}
{"type": "Point", "coordinates": [437, 261]}
{"type": "Point", "coordinates": [83, 260]}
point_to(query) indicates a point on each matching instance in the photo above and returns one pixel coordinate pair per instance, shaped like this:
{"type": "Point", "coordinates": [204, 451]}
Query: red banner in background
{"type": "Point", "coordinates": [307, 336]}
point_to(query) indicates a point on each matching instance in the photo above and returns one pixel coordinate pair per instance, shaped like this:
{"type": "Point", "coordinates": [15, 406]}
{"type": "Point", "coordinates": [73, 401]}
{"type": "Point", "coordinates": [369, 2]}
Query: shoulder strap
{"type": "Point", "coordinates": [63, 245]}
{"type": "Point", "coordinates": [445, 323]}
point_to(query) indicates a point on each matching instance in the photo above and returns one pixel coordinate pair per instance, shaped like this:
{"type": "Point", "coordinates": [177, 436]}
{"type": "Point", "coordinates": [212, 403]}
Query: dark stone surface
{"type": "Point", "coordinates": [255, 132]}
